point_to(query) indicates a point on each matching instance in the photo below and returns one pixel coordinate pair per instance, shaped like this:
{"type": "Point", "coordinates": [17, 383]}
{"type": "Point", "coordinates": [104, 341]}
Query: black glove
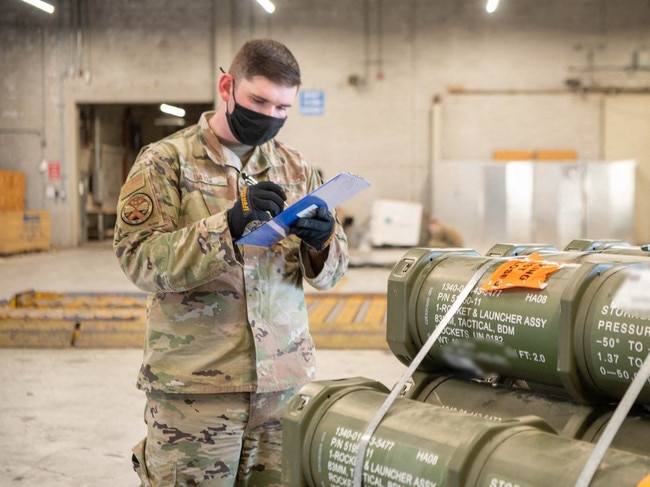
{"type": "Point", "coordinates": [259, 202]}
{"type": "Point", "coordinates": [317, 231]}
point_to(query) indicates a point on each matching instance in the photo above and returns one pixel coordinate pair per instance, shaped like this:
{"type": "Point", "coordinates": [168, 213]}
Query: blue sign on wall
{"type": "Point", "coordinates": [312, 102]}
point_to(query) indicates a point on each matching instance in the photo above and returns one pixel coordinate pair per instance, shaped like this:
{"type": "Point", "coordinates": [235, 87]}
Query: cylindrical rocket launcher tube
{"type": "Point", "coordinates": [577, 251]}
{"type": "Point", "coordinates": [566, 335]}
{"type": "Point", "coordinates": [418, 444]}
{"type": "Point", "coordinates": [499, 402]}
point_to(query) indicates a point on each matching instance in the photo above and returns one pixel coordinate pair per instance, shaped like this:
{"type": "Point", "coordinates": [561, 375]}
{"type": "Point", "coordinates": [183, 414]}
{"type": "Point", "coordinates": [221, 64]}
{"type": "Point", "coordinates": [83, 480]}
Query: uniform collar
{"type": "Point", "coordinates": [260, 161]}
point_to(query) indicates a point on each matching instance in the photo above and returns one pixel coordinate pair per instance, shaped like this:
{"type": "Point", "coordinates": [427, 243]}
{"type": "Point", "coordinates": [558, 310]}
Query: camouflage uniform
{"type": "Point", "coordinates": [221, 318]}
{"type": "Point", "coordinates": [213, 440]}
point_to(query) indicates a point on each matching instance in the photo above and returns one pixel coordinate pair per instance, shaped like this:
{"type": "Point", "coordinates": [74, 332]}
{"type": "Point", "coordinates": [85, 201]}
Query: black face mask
{"type": "Point", "coordinates": [250, 127]}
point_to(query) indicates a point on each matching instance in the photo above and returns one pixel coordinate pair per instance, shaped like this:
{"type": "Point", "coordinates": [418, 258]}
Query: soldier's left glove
{"type": "Point", "coordinates": [317, 231]}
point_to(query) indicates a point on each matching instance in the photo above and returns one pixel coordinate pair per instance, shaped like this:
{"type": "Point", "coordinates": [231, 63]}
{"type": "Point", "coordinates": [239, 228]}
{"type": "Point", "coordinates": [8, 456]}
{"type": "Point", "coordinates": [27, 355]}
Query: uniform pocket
{"type": "Point", "coordinates": [139, 464]}
{"type": "Point", "coordinates": [204, 195]}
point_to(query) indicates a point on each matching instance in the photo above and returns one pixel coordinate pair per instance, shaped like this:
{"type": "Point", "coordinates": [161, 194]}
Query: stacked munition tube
{"type": "Point", "coordinates": [567, 336]}
{"type": "Point", "coordinates": [421, 445]}
{"type": "Point", "coordinates": [501, 402]}
{"type": "Point", "coordinates": [515, 392]}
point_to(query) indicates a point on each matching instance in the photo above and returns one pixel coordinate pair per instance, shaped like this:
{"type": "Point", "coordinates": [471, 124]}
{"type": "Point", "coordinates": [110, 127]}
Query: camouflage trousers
{"type": "Point", "coordinates": [212, 440]}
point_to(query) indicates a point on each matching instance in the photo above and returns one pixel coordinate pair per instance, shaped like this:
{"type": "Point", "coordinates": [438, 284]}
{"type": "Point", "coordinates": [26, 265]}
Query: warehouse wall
{"type": "Point", "coordinates": [500, 80]}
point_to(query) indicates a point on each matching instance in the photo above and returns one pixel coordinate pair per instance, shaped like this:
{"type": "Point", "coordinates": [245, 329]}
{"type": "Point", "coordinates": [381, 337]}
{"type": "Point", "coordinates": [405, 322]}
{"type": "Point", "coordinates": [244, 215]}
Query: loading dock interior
{"type": "Point", "coordinates": [529, 124]}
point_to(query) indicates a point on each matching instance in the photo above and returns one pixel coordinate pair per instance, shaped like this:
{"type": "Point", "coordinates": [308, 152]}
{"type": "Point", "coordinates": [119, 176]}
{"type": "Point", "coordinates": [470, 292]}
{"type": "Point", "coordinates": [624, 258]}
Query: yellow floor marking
{"type": "Point", "coordinates": [39, 319]}
{"type": "Point", "coordinates": [321, 308]}
{"type": "Point", "coordinates": [376, 311]}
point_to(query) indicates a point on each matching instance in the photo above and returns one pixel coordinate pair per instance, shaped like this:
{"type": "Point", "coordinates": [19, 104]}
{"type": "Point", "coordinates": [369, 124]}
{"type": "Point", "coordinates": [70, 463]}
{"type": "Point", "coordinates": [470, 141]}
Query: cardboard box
{"type": "Point", "coordinates": [12, 190]}
{"type": "Point", "coordinates": [22, 231]}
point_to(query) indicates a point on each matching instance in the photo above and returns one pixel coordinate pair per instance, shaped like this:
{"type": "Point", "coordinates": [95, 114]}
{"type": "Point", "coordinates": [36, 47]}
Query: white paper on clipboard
{"type": "Point", "coordinates": [331, 194]}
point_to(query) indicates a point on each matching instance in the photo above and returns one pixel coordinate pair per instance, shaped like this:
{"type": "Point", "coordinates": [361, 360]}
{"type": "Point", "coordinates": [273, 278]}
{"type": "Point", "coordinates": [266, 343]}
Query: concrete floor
{"type": "Point", "coordinates": [70, 417]}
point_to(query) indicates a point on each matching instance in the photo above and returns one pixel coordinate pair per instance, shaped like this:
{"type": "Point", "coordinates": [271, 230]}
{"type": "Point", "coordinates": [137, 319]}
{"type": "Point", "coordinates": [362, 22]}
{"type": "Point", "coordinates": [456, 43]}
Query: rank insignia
{"type": "Point", "coordinates": [137, 209]}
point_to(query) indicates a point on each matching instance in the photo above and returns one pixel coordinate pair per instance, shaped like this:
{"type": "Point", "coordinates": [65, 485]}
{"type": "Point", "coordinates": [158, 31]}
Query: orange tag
{"type": "Point", "coordinates": [645, 482]}
{"type": "Point", "coordinates": [530, 272]}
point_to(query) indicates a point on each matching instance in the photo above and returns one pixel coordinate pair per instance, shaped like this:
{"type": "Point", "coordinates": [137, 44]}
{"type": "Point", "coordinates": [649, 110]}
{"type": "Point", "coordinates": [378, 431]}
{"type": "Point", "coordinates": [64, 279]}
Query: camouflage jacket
{"type": "Point", "coordinates": [220, 317]}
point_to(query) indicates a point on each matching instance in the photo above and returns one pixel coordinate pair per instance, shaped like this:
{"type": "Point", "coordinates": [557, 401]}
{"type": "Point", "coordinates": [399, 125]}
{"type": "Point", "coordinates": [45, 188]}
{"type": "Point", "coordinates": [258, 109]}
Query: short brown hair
{"type": "Point", "coordinates": [268, 58]}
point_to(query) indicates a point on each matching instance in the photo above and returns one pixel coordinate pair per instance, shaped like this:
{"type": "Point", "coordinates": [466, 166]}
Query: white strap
{"type": "Point", "coordinates": [397, 388]}
{"type": "Point", "coordinates": [605, 440]}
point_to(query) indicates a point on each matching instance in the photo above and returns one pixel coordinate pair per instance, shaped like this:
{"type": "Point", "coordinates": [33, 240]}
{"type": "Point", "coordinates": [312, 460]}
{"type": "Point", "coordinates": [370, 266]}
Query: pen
{"type": "Point", "coordinates": [248, 179]}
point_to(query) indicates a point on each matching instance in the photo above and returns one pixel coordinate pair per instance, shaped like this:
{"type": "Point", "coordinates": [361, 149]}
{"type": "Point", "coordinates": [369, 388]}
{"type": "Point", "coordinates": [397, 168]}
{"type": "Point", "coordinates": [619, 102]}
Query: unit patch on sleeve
{"type": "Point", "coordinates": [137, 209]}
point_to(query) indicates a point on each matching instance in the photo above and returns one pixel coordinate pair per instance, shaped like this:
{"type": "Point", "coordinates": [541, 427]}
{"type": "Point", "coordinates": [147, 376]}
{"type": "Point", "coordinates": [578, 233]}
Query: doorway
{"type": "Point", "coordinates": [110, 137]}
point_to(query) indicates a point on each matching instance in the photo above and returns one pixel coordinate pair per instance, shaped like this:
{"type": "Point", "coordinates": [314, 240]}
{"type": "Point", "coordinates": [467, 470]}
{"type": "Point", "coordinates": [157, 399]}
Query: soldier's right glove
{"type": "Point", "coordinates": [317, 230]}
{"type": "Point", "coordinates": [259, 202]}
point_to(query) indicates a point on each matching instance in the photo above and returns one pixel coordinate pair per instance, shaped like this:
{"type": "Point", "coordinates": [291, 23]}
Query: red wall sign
{"type": "Point", "coordinates": [54, 170]}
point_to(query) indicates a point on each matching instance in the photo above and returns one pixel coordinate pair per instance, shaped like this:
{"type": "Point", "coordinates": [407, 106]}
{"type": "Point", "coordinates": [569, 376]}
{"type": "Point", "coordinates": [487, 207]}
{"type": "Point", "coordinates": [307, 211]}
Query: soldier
{"type": "Point", "coordinates": [227, 341]}
{"type": "Point", "coordinates": [443, 235]}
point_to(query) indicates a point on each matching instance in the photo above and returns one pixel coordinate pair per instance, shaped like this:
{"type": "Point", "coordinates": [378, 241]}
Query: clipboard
{"type": "Point", "coordinates": [331, 194]}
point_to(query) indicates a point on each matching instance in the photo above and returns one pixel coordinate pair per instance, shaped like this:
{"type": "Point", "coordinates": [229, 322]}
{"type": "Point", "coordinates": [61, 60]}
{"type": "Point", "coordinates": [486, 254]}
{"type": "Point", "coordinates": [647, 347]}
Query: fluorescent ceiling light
{"type": "Point", "coordinates": [44, 6]}
{"type": "Point", "coordinates": [491, 6]}
{"type": "Point", "coordinates": [172, 110]}
{"type": "Point", "coordinates": [267, 5]}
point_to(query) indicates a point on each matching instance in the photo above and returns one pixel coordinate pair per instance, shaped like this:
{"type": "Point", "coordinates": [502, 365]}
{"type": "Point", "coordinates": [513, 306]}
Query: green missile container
{"type": "Point", "coordinates": [513, 249]}
{"type": "Point", "coordinates": [498, 402]}
{"type": "Point", "coordinates": [579, 250]}
{"type": "Point", "coordinates": [566, 336]}
{"type": "Point", "coordinates": [402, 274]}
{"type": "Point", "coordinates": [591, 245]}
{"type": "Point", "coordinates": [421, 445]}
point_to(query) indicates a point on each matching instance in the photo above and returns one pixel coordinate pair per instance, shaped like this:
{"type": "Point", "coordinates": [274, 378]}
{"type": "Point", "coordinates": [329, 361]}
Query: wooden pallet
{"type": "Point", "coordinates": [112, 320]}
